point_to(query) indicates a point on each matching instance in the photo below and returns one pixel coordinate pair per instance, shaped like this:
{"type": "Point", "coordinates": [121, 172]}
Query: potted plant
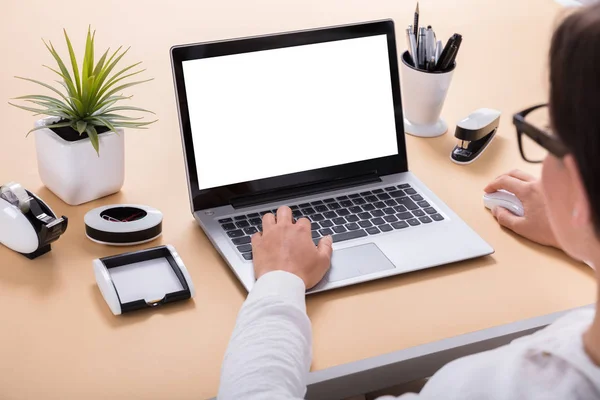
{"type": "Point", "coordinates": [79, 144]}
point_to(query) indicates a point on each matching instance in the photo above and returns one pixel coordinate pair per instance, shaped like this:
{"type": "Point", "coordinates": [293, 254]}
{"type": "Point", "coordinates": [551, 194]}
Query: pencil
{"type": "Point", "coordinates": [416, 24]}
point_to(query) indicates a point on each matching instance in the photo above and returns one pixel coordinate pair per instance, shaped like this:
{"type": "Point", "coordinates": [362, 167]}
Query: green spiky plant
{"type": "Point", "coordinates": [91, 94]}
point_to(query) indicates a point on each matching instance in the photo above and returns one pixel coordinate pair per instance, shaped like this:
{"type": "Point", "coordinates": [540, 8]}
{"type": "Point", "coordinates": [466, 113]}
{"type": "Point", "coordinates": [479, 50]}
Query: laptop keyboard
{"type": "Point", "coordinates": [345, 217]}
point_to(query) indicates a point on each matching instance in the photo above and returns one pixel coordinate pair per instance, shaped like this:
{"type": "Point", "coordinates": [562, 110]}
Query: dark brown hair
{"type": "Point", "coordinates": [575, 95]}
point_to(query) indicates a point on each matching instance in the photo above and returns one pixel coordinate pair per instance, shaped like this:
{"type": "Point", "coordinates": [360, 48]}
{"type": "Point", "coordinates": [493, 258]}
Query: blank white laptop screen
{"type": "Point", "coordinates": [276, 112]}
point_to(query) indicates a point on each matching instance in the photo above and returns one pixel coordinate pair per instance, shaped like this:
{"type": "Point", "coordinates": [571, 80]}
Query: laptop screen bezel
{"type": "Point", "coordinates": [224, 195]}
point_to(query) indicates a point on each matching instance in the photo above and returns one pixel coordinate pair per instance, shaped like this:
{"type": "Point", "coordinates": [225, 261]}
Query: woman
{"type": "Point", "coordinates": [269, 354]}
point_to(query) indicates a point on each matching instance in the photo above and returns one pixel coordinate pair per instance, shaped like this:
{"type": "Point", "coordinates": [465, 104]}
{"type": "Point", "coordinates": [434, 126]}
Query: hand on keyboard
{"type": "Point", "coordinates": [287, 246]}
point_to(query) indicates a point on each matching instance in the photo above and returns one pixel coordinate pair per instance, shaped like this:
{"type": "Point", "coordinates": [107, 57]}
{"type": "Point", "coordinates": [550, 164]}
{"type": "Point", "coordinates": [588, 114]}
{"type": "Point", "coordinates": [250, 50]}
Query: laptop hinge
{"type": "Point", "coordinates": [305, 190]}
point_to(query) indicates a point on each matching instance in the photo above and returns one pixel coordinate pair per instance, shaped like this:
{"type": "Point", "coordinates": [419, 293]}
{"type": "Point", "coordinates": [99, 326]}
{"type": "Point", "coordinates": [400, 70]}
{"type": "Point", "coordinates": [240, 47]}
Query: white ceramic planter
{"type": "Point", "coordinates": [73, 171]}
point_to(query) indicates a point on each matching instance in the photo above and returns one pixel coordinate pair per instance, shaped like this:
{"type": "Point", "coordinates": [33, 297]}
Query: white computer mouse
{"type": "Point", "coordinates": [504, 199]}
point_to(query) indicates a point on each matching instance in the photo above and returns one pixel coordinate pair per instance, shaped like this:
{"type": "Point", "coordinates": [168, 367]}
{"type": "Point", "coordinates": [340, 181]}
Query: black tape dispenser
{"type": "Point", "coordinates": [475, 133]}
{"type": "Point", "coordinates": [27, 224]}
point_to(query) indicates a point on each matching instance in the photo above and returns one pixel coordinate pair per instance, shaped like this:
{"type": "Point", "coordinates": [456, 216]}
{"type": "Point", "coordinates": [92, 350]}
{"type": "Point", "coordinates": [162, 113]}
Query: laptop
{"type": "Point", "coordinates": [313, 120]}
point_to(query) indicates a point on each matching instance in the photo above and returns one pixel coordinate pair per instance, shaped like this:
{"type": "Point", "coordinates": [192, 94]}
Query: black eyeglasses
{"type": "Point", "coordinates": [534, 142]}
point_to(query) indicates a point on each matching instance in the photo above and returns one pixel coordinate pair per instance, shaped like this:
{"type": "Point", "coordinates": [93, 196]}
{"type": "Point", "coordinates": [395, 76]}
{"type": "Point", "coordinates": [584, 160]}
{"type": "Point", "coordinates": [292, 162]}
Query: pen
{"type": "Point", "coordinates": [453, 45]}
{"type": "Point", "coordinates": [416, 25]}
{"type": "Point", "coordinates": [430, 49]}
{"type": "Point", "coordinates": [412, 45]}
{"type": "Point", "coordinates": [422, 48]}
{"type": "Point", "coordinates": [438, 51]}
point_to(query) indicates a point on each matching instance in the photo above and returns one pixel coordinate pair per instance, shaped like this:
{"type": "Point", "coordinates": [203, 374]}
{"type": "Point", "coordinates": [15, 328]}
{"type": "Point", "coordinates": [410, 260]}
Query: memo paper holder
{"type": "Point", "coordinates": [143, 279]}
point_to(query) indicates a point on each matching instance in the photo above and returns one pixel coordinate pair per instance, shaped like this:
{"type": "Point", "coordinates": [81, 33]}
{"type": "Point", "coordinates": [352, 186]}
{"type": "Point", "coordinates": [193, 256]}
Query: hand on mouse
{"type": "Point", "coordinates": [534, 225]}
{"type": "Point", "coordinates": [287, 246]}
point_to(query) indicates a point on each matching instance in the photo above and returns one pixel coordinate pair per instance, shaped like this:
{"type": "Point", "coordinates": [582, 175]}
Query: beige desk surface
{"type": "Point", "coordinates": [58, 339]}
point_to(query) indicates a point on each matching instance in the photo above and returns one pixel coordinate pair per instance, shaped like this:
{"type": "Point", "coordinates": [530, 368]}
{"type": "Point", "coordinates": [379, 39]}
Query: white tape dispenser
{"type": "Point", "coordinates": [27, 224]}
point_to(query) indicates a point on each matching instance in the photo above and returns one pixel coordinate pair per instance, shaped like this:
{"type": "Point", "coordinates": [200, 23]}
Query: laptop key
{"type": "Point", "coordinates": [377, 213]}
{"type": "Point", "coordinates": [225, 220]}
{"type": "Point", "coordinates": [255, 221]}
{"type": "Point", "coordinates": [389, 211]}
{"type": "Point", "coordinates": [228, 227]}
{"type": "Point", "coordinates": [397, 193]}
{"type": "Point", "coordinates": [352, 218]}
{"type": "Point", "coordinates": [377, 221]}
{"type": "Point", "coordinates": [242, 240]}
{"type": "Point", "coordinates": [400, 225]}
{"type": "Point", "coordinates": [408, 203]}
{"type": "Point", "coordinates": [403, 186]}
{"type": "Point", "coordinates": [371, 199]}
{"type": "Point", "coordinates": [317, 217]}
{"type": "Point", "coordinates": [316, 202]}
{"type": "Point", "coordinates": [334, 206]}
{"type": "Point", "coordinates": [341, 198]}
{"type": "Point", "coordinates": [365, 224]}
{"type": "Point", "coordinates": [404, 215]}
{"type": "Point", "coordinates": [346, 203]}
{"type": "Point", "coordinates": [253, 215]}
{"type": "Point", "coordinates": [373, 231]}
{"type": "Point", "coordinates": [326, 224]}
{"type": "Point", "coordinates": [379, 204]}
{"type": "Point", "coordinates": [308, 211]}
{"type": "Point", "coordinates": [437, 217]}
{"type": "Point", "coordinates": [329, 200]}
{"type": "Point", "coordinates": [304, 205]}
{"type": "Point", "coordinates": [343, 212]}
{"type": "Point", "coordinates": [355, 209]}
{"type": "Point", "coordinates": [425, 220]}
{"type": "Point", "coordinates": [330, 214]}
{"type": "Point", "coordinates": [410, 191]}
{"type": "Point", "coordinates": [383, 196]}
{"type": "Point", "coordinates": [368, 207]}
{"type": "Point", "coordinates": [321, 208]}
{"type": "Point", "coordinates": [235, 234]}
{"type": "Point", "coordinates": [250, 231]}
{"type": "Point", "coordinates": [413, 222]}
{"type": "Point", "coordinates": [262, 213]}
{"type": "Point", "coordinates": [339, 229]}
{"type": "Point", "coordinates": [315, 234]}
{"type": "Point", "coordinates": [352, 226]}
{"type": "Point", "coordinates": [423, 204]}
{"type": "Point", "coordinates": [239, 217]}
{"type": "Point", "coordinates": [400, 209]}
{"type": "Point", "coordinates": [385, 228]}
{"type": "Point", "coordinates": [247, 256]}
{"type": "Point", "coordinates": [354, 196]}
{"type": "Point", "coordinates": [430, 210]}
{"type": "Point", "coordinates": [390, 188]}
{"type": "Point", "coordinates": [245, 248]}
{"type": "Point", "coordinates": [364, 215]}
{"type": "Point", "coordinates": [365, 193]}
{"type": "Point", "coordinates": [417, 197]}
{"type": "Point", "coordinates": [314, 226]}
{"type": "Point", "coordinates": [339, 221]}
{"type": "Point", "coordinates": [326, 232]}
{"type": "Point", "coordinates": [390, 218]}
{"type": "Point", "coordinates": [242, 224]}
{"type": "Point", "coordinates": [419, 213]}
{"type": "Point", "coordinates": [355, 234]}
{"type": "Point", "coordinates": [390, 203]}
{"type": "Point", "coordinates": [377, 191]}
{"type": "Point", "coordinates": [294, 207]}
{"type": "Point", "coordinates": [359, 201]}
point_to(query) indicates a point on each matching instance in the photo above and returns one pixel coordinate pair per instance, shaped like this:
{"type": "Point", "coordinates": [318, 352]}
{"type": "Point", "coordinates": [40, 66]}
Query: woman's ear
{"type": "Point", "coordinates": [581, 215]}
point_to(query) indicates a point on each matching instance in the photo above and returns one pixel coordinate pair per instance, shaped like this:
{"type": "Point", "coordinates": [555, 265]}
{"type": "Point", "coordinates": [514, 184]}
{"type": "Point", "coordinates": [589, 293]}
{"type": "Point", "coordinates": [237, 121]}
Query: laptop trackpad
{"type": "Point", "coordinates": [356, 261]}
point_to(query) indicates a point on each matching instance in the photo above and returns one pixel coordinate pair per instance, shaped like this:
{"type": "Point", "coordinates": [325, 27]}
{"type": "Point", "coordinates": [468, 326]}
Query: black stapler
{"type": "Point", "coordinates": [475, 133]}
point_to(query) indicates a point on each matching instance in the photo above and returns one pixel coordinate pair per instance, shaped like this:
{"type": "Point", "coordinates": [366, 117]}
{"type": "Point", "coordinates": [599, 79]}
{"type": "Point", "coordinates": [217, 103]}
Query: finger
{"type": "Point", "coordinates": [524, 176]}
{"type": "Point", "coordinates": [325, 247]}
{"type": "Point", "coordinates": [268, 221]}
{"type": "Point", "coordinates": [256, 239]}
{"type": "Point", "coordinates": [284, 215]}
{"type": "Point", "coordinates": [506, 218]}
{"type": "Point", "coordinates": [303, 223]}
{"type": "Point", "coordinates": [508, 183]}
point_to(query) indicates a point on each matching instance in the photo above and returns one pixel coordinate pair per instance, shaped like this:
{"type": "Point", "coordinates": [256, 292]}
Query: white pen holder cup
{"type": "Point", "coordinates": [423, 96]}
